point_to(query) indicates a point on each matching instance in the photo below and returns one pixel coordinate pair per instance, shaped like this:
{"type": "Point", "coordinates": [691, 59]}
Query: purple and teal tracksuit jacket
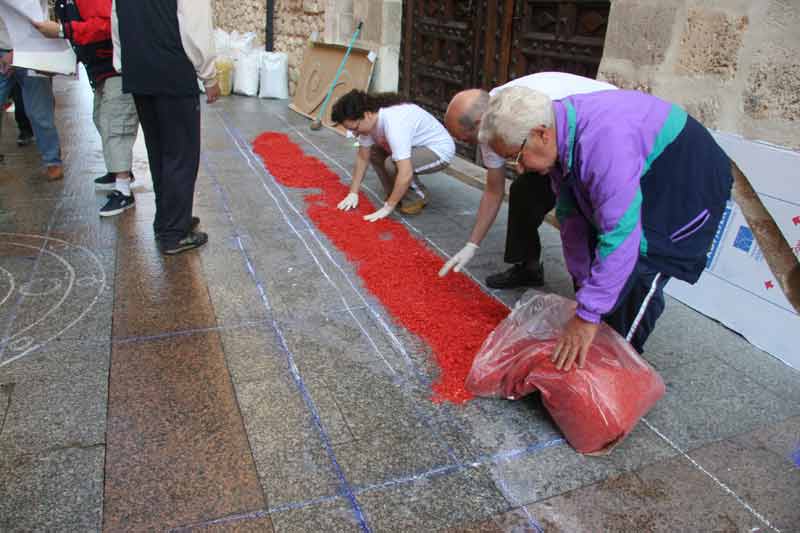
{"type": "Point", "coordinates": [637, 179]}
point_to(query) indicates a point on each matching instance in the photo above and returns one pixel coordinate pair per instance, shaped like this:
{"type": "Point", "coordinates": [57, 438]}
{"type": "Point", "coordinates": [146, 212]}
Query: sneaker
{"type": "Point", "coordinates": [412, 208]}
{"type": "Point", "coordinates": [54, 172]}
{"type": "Point", "coordinates": [193, 239]}
{"type": "Point", "coordinates": [117, 203]}
{"type": "Point", "coordinates": [105, 183]}
{"type": "Point", "coordinates": [516, 276]}
{"type": "Point", "coordinates": [24, 138]}
{"type": "Point", "coordinates": [108, 182]}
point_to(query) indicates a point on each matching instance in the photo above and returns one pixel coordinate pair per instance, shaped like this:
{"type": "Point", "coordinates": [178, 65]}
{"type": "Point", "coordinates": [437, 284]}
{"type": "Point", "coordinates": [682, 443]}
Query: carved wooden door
{"type": "Point", "coordinates": [451, 45]}
{"type": "Point", "coordinates": [564, 36]}
{"type": "Point", "coordinates": [440, 48]}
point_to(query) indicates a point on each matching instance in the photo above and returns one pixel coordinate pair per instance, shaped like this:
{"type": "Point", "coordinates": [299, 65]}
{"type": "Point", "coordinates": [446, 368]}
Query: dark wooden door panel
{"type": "Point", "coordinates": [451, 45]}
{"type": "Point", "coordinates": [440, 51]}
{"type": "Point", "coordinates": [558, 36]}
{"type": "Point", "coordinates": [439, 60]}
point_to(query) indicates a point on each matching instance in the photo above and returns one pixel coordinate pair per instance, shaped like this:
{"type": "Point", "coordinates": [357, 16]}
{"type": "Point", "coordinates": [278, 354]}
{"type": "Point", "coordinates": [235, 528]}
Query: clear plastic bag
{"type": "Point", "coordinates": [595, 406]}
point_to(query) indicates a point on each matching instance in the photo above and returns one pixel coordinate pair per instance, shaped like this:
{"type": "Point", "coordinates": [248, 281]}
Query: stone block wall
{"type": "Point", "coordinates": [242, 16]}
{"type": "Point", "coordinates": [294, 23]}
{"type": "Point", "coordinates": [333, 21]}
{"type": "Point", "coordinates": [733, 64]}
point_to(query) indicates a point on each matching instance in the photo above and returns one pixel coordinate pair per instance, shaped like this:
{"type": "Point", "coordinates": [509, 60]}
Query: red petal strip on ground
{"type": "Point", "coordinates": [452, 315]}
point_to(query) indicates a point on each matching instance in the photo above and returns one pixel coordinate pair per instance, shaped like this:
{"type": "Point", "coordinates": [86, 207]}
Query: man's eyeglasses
{"type": "Point", "coordinates": [518, 159]}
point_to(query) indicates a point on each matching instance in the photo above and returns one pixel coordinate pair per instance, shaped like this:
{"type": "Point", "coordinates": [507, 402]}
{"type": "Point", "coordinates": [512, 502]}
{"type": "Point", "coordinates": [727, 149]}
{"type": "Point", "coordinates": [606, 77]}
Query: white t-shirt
{"type": "Point", "coordinates": [6, 43]}
{"type": "Point", "coordinates": [556, 85]}
{"type": "Point", "coordinates": [402, 127]}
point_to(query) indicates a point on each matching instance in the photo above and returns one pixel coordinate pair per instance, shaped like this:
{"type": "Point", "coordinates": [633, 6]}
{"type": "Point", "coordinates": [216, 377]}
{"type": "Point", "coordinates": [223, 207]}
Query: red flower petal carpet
{"type": "Point", "coordinates": [451, 314]}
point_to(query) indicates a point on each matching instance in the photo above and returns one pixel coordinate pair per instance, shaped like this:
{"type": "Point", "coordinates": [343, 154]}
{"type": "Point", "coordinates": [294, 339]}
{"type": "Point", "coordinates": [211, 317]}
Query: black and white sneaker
{"type": "Point", "coordinates": [108, 182]}
{"type": "Point", "coordinates": [117, 203]}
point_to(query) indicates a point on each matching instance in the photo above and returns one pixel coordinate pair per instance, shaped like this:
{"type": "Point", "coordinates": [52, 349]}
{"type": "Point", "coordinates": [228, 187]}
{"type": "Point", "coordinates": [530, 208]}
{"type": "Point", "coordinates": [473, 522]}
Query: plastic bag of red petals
{"type": "Point", "coordinates": [595, 406]}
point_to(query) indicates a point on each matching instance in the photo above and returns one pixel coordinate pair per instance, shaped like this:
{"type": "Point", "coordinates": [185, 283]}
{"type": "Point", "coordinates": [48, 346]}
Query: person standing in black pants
{"type": "Point", "coordinates": [161, 71]}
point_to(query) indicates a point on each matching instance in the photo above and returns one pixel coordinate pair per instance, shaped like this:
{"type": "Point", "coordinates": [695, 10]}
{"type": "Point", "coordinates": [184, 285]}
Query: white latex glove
{"type": "Point", "coordinates": [459, 260]}
{"type": "Point", "coordinates": [350, 202]}
{"type": "Point", "coordinates": [383, 212]}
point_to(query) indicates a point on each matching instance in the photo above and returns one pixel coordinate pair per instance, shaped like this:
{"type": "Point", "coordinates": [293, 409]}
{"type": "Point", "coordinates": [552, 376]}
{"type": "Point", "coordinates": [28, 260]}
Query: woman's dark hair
{"type": "Point", "coordinates": [354, 104]}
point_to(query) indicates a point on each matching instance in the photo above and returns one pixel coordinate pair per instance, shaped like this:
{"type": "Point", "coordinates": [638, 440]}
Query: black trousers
{"type": "Point", "coordinates": [171, 126]}
{"type": "Point", "coordinates": [530, 199]}
{"type": "Point", "coordinates": [639, 305]}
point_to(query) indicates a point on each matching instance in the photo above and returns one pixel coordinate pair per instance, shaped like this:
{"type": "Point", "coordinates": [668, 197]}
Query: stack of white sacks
{"type": "Point", "coordinates": [255, 72]}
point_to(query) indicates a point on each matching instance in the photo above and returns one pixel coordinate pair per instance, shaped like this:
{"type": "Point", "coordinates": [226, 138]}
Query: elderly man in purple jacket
{"type": "Point", "coordinates": [641, 187]}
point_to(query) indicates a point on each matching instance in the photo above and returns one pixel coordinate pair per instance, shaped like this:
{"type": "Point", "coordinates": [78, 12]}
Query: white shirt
{"type": "Point", "coordinates": [556, 85]}
{"type": "Point", "coordinates": [5, 38]}
{"type": "Point", "coordinates": [195, 23]}
{"type": "Point", "coordinates": [401, 127]}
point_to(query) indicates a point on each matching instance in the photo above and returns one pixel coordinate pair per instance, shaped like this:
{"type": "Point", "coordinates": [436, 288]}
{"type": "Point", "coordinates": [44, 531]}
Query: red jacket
{"type": "Point", "coordinates": [96, 23]}
{"type": "Point", "coordinates": [87, 26]}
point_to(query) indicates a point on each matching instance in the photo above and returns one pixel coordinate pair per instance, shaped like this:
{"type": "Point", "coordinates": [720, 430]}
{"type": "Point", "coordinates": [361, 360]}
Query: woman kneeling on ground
{"type": "Point", "coordinates": [401, 140]}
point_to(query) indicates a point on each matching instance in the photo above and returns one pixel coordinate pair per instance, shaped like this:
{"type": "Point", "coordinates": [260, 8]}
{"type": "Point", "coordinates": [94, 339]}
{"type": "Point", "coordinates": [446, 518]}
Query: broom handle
{"type": "Point", "coordinates": [339, 72]}
{"type": "Point", "coordinates": [779, 255]}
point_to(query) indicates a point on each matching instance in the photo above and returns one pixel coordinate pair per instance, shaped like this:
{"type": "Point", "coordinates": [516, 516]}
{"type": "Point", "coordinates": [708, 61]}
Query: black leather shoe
{"type": "Point", "coordinates": [516, 276]}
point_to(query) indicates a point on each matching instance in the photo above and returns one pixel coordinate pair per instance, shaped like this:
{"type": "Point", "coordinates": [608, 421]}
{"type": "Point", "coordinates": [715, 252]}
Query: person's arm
{"type": "Point", "coordinates": [115, 37]}
{"type": "Point", "coordinates": [405, 173]}
{"type": "Point", "coordinates": [360, 168]}
{"type": "Point", "coordinates": [6, 62]}
{"type": "Point", "coordinates": [611, 177]}
{"type": "Point", "coordinates": [95, 26]}
{"type": "Point", "coordinates": [576, 236]}
{"type": "Point", "coordinates": [399, 130]}
{"type": "Point", "coordinates": [491, 199]}
{"type": "Point", "coordinates": [197, 37]}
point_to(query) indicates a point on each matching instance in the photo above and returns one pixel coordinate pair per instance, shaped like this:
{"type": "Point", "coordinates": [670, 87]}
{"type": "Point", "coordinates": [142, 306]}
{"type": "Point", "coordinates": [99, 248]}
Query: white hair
{"type": "Point", "coordinates": [513, 113]}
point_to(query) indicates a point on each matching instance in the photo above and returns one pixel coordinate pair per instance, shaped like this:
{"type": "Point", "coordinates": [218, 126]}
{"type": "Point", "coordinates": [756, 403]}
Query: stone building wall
{"type": "Point", "coordinates": [242, 16]}
{"type": "Point", "coordinates": [297, 21]}
{"type": "Point", "coordinates": [294, 23]}
{"type": "Point", "coordinates": [733, 64]}
{"type": "Point", "coordinates": [332, 21]}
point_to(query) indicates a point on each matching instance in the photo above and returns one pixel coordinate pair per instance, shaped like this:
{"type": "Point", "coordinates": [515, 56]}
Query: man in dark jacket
{"type": "Point", "coordinates": [87, 26]}
{"type": "Point", "coordinates": [162, 47]}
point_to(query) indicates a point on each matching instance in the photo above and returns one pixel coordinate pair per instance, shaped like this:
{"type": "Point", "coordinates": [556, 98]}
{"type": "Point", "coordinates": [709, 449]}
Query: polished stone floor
{"type": "Point", "coordinates": [256, 385]}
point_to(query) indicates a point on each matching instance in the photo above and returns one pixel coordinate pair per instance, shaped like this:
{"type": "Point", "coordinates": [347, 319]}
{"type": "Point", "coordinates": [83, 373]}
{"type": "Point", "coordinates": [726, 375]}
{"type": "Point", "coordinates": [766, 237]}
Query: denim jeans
{"type": "Point", "coordinates": [37, 92]}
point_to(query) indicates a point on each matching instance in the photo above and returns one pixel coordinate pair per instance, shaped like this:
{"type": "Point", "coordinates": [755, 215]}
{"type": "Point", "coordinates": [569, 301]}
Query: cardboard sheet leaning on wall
{"type": "Point", "coordinates": [752, 278]}
{"type": "Point", "coordinates": [320, 63]}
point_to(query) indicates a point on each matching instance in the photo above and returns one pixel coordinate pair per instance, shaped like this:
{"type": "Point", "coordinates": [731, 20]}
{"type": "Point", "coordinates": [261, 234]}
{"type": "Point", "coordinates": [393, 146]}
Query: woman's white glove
{"type": "Point", "coordinates": [383, 212]}
{"type": "Point", "coordinates": [350, 202]}
{"type": "Point", "coordinates": [459, 260]}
